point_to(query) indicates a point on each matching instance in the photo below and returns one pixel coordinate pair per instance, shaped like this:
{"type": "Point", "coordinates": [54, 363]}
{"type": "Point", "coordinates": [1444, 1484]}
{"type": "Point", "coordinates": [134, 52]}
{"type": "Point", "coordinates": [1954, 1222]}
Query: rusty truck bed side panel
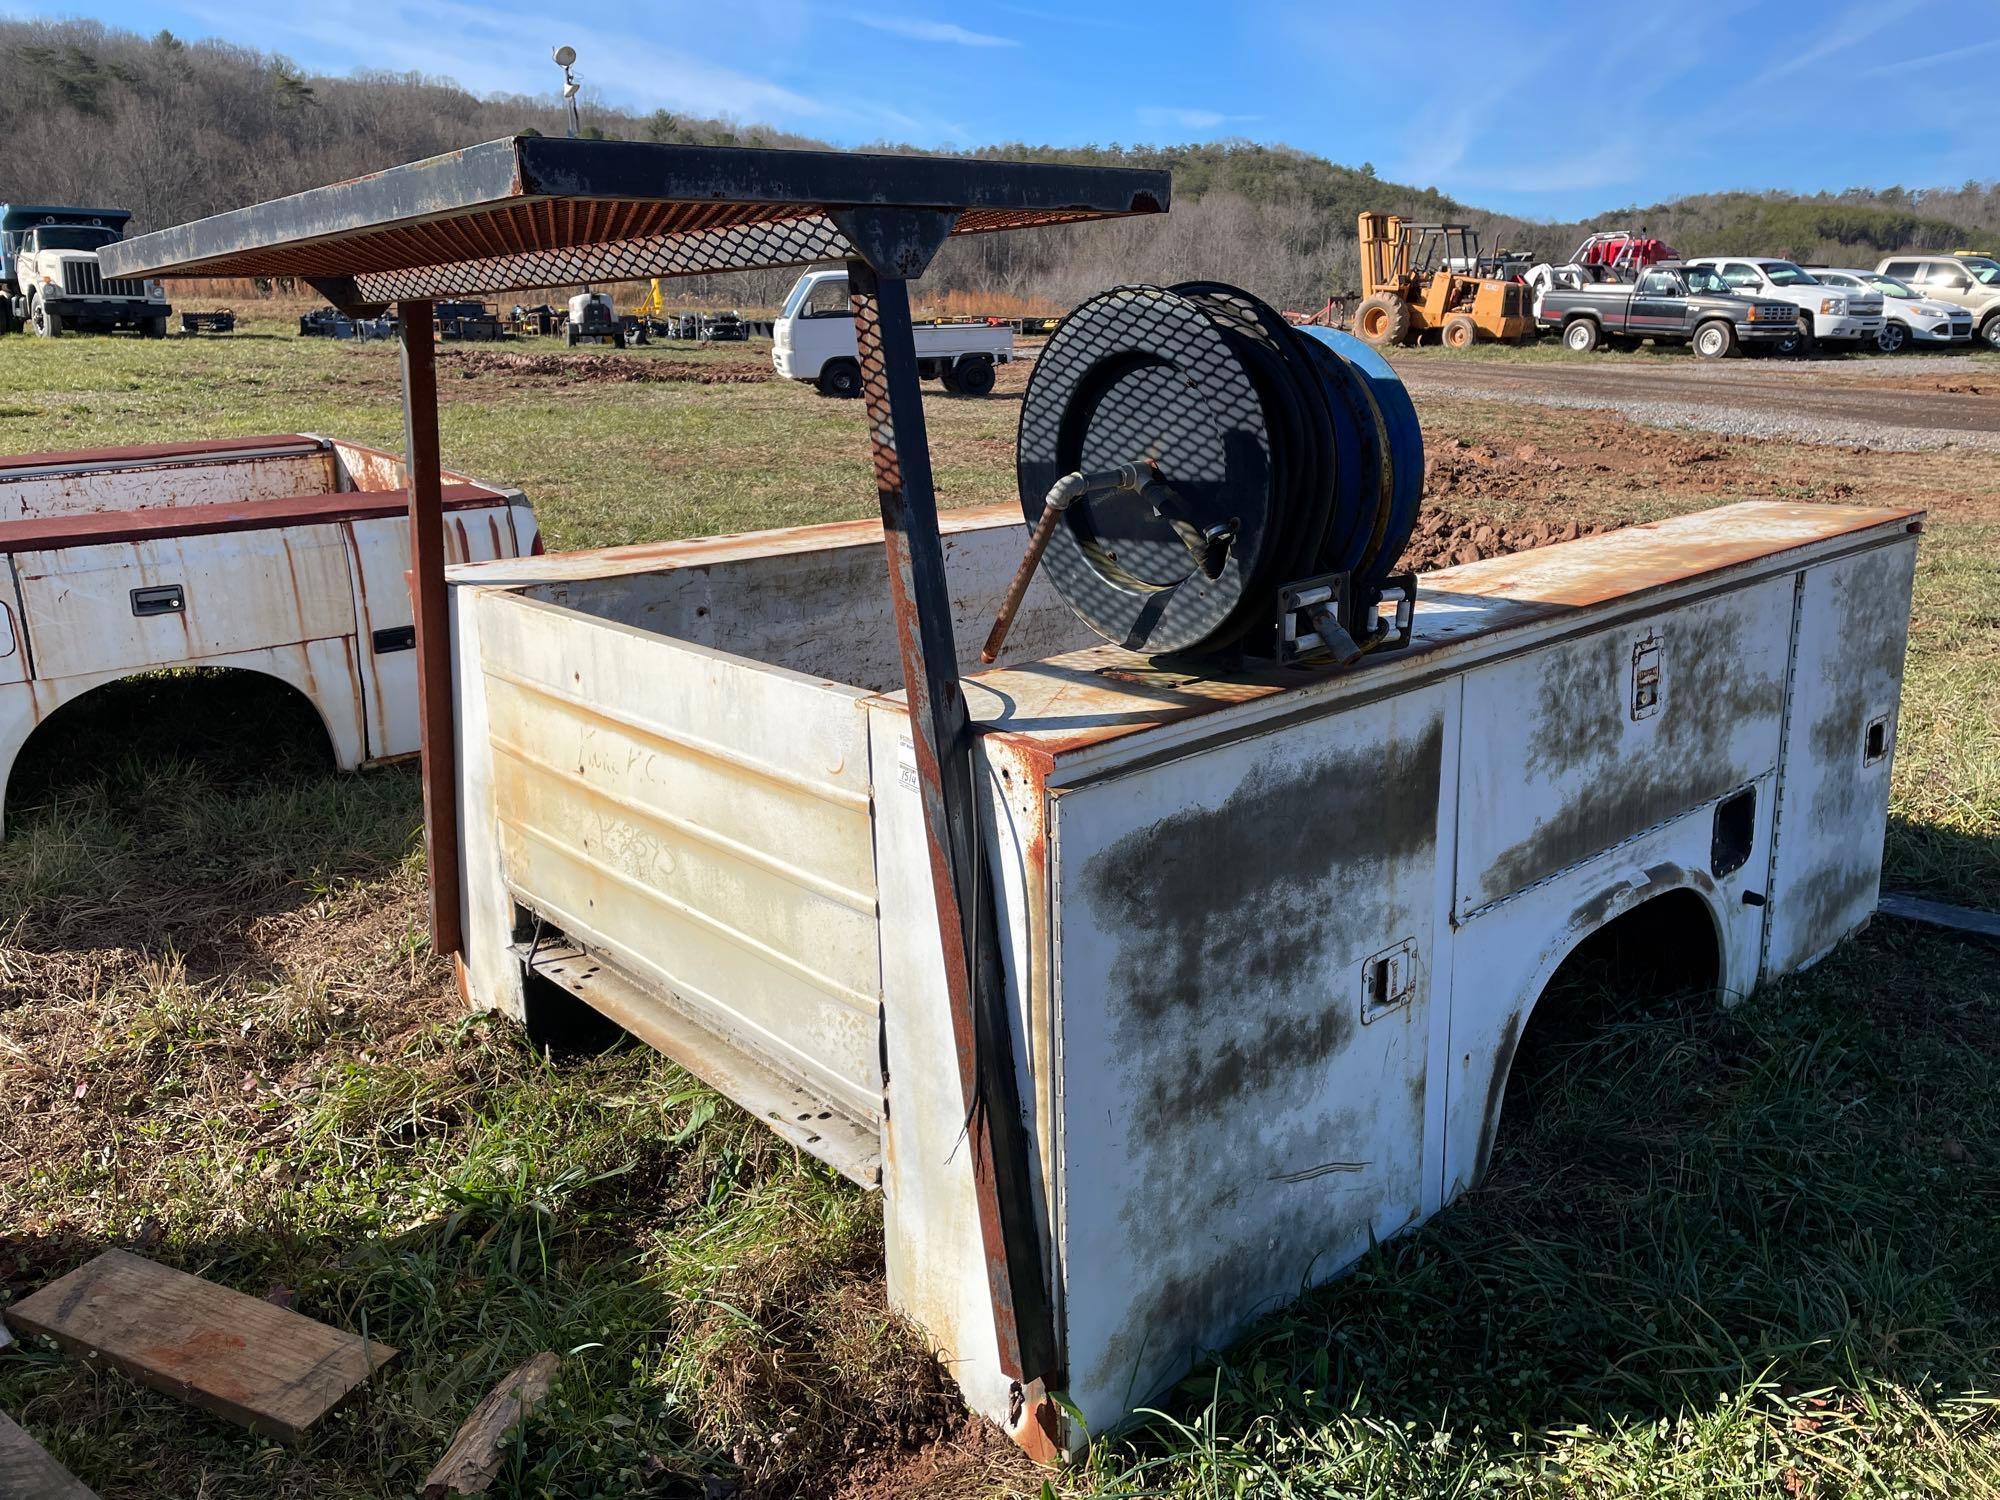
{"type": "Point", "coordinates": [1065, 706]}
{"type": "Point", "coordinates": [47, 532]}
{"type": "Point", "coordinates": [82, 458]}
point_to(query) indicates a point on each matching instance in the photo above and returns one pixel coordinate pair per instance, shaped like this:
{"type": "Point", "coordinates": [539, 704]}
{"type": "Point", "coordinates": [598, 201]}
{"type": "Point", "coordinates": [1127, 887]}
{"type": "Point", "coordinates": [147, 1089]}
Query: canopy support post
{"type": "Point", "coordinates": [422, 469]}
{"type": "Point", "coordinates": [941, 737]}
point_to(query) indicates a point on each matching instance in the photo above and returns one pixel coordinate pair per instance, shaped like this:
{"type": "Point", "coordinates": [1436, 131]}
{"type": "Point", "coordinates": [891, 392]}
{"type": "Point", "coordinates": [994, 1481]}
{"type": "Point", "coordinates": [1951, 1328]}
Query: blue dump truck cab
{"type": "Point", "coordinates": [53, 282]}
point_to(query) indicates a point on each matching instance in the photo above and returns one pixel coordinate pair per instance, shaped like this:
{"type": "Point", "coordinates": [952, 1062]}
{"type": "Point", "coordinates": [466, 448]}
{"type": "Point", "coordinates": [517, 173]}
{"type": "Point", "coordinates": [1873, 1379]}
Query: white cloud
{"type": "Point", "coordinates": [1849, 29]}
{"type": "Point", "coordinates": [1934, 59]}
{"type": "Point", "coordinates": [916, 30]}
{"type": "Point", "coordinates": [1161, 118]}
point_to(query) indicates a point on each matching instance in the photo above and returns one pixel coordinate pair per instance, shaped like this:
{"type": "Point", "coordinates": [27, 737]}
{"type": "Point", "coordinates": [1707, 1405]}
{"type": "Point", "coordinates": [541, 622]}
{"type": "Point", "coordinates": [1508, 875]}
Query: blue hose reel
{"type": "Point", "coordinates": [1278, 470]}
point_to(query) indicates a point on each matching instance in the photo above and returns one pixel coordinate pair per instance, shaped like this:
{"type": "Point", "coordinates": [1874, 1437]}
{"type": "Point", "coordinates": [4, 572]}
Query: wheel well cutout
{"type": "Point", "coordinates": [242, 726]}
{"type": "Point", "coordinates": [1663, 950]}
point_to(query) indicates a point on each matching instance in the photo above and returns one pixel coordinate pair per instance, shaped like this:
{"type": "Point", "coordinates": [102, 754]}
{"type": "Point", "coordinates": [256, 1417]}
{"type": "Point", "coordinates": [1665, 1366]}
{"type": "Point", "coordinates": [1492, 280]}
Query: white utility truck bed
{"type": "Point", "coordinates": [1270, 935]}
{"type": "Point", "coordinates": [280, 555]}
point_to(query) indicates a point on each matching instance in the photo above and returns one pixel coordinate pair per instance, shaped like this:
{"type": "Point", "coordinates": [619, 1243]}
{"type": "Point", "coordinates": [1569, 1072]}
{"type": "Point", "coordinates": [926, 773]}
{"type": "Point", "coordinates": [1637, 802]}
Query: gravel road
{"type": "Point", "coordinates": [1895, 402]}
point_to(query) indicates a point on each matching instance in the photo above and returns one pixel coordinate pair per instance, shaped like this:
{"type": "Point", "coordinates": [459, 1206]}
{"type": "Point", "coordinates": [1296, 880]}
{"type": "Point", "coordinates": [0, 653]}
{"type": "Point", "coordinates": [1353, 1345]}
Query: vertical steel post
{"type": "Point", "coordinates": [421, 473]}
{"type": "Point", "coordinates": [942, 741]}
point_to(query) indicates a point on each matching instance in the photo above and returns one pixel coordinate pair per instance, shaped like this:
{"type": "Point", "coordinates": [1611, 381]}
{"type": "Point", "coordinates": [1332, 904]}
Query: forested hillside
{"type": "Point", "coordinates": [174, 130]}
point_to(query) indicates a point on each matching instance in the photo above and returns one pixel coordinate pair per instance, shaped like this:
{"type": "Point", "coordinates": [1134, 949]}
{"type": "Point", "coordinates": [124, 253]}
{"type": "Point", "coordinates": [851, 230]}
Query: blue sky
{"type": "Point", "coordinates": [1557, 110]}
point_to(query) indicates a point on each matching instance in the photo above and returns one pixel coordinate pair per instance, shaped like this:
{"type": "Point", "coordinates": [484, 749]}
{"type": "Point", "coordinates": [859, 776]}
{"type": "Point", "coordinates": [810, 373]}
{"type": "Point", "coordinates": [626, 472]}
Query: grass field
{"type": "Point", "coordinates": [1744, 1252]}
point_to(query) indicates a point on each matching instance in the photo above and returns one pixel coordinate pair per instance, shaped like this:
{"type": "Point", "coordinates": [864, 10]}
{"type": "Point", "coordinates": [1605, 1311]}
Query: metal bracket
{"type": "Point", "coordinates": [1396, 633]}
{"type": "Point", "coordinates": [1311, 615]}
{"type": "Point", "coordinates": [1328, 616]}
{"type": "Point", "coordinates": [345, 295]}
{"type": "Point", "coordinates": [897, 242]}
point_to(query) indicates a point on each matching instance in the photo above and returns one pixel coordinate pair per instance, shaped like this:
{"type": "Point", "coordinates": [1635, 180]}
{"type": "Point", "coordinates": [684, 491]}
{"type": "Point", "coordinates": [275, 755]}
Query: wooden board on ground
{"type": "Point", "coordinates": [275, 1371]}
{"type": "Point", "coordinates": [28, 1473]}
{"type": "Point", "coordinates": [473, 1460]}
{"type": "Point", "coordinates": [1939, 914]}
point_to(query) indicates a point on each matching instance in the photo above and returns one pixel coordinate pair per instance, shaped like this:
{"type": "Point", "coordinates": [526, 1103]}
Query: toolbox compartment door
{"type": "Point", "coordinates": [158, 601]}
{"type": "Point", "coordinates": [1840, 739]}
{"type": "Point", "coordinates": [1245, 938]}
{"type": "Point", "coordinates": [1578, 746]}
{"type": "Point", "coordinates": [381, 561]}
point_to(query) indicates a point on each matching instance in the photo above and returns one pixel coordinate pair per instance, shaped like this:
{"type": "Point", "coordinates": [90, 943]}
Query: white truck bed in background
{"type": "Point", "coordinates": [279, 555]}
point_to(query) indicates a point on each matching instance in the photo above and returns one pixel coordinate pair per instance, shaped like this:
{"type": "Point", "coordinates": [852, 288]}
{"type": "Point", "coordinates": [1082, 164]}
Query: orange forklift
{"type": "Point", "coordinates": [1418, 279]}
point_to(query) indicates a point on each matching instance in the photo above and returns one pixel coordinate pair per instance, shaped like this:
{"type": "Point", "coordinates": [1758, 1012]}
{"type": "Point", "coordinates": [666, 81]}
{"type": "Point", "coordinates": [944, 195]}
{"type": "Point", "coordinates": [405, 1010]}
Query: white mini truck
{"type": "Point", "coordinates": [1271, 936]}
{"type": "Point", "coordinates": [283, 556]}
{"type": "Point", "coordinates": [813, 341]}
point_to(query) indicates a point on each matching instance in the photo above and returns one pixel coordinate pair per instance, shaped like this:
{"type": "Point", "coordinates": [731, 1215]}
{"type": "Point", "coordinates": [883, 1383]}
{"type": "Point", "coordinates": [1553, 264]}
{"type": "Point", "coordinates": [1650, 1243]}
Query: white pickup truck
{"type": "Point", "coordinates": [1827, 314]}
{"type": "Point", "coordinates": [814, 342]}
{"type": "Point", "coordinates": [283, 556]}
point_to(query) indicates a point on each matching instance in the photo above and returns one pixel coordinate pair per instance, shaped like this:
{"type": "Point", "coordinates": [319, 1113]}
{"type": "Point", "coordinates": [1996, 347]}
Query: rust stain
{"type": "Point", "coordinates": [728, 547]}
{"type": "Point", "coordinates": [366, 624]}
{"type": "Point", "coordinates": [297, 595]}
{"type": "Point", "coordinates": [1618, 564]}
{"type": "Point", "coordinates": [1496, 1092]}
{"type": "Point", "coordinates": [100, 527]}
{"type": "Point", "coordinates": [1039, 1429]}
{"type": "Point", "coordinates": [87, 457]}
{"type": "Point", "coordinates": [354, 691]}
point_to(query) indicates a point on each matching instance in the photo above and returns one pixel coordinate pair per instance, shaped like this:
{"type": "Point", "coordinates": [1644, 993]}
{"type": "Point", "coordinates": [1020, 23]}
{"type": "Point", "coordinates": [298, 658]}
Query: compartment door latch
{"type": "Point", "coordinates": [1646, 677]}
{"type": "Point", "coordinates": [1388, 980]}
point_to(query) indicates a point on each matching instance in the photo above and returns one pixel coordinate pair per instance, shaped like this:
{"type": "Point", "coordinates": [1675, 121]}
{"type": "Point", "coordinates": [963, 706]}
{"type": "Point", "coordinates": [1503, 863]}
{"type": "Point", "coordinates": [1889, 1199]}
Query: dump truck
{"type": "Point", "coordinates": [54, 283]}
{"type": "Point", "coordinates": [1423, 279]}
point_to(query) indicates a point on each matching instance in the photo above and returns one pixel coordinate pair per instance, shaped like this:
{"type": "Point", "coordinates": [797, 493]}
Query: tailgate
{"type": "Point", "coordinates": [700, 821]}
{"type": "Point", "coordinates": [163, 600]}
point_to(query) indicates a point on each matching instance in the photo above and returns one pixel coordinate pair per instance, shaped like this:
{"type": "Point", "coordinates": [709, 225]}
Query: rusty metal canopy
{"type": "Point", "coordinates": [535, 211]}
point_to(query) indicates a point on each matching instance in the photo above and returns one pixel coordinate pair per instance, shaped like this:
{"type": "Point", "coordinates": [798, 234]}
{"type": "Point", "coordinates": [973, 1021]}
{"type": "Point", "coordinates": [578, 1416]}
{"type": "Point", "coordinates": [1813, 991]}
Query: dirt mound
{"type": "Point", "coordinates": [1442, 540]}
{"type": "Point", "coordinates": [517, 368]}
{"type": "Point", "coordinates": [972, 1461]}
{"type": "Point", "coordinates": [1525, 477]}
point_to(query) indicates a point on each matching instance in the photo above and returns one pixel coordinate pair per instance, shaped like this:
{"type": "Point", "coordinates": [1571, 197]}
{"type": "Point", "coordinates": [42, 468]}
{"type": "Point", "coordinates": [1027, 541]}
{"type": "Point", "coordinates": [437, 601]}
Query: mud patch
{"type": "Point", "coordinates": [973, 1461]}
{"type": "Point", "coordinates": [511, 368]}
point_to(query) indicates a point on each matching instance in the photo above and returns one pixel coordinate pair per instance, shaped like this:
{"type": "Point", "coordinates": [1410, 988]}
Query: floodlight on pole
{"type": "Point", "coordinates": [564, 57]}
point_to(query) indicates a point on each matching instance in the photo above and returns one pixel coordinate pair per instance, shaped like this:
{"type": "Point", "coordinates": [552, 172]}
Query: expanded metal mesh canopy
{"type": "Point", "coordinates": [533, 211]}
